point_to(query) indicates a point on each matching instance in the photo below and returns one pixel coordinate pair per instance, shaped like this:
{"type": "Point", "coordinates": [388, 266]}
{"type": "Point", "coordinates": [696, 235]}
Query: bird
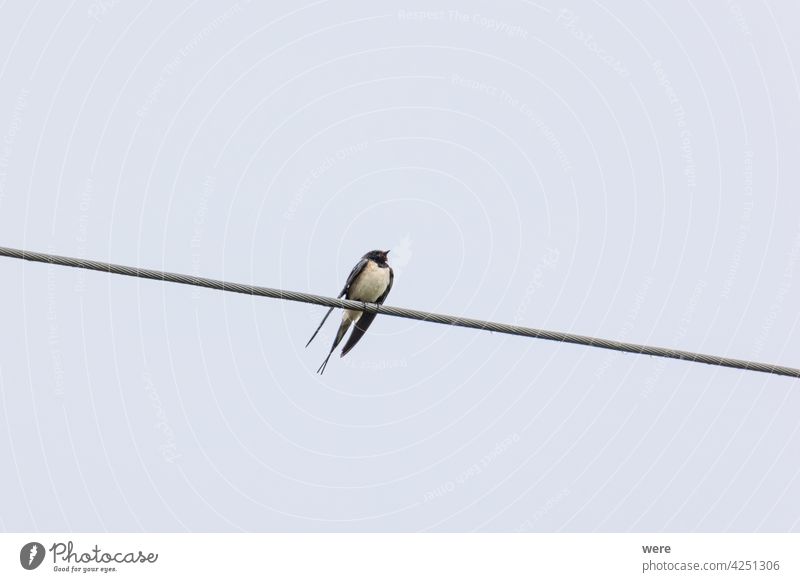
{"type": "Point", "coordinates": [370, 282]}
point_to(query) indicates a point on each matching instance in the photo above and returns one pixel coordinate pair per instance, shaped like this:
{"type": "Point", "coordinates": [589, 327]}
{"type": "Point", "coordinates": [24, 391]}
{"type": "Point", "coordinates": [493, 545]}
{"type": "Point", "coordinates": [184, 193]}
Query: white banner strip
{"type": "Point", "coordinates": [401, 557]}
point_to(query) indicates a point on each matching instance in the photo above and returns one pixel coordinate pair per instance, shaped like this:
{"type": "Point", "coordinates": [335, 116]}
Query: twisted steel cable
{"type": "Point", "coordinates": [399, 312]}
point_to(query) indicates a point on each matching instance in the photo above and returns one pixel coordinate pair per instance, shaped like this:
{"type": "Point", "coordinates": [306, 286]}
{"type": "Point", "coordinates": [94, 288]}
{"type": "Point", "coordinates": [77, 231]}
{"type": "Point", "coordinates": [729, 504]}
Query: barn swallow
{"type": "Point", "coordinates": [370, 282]}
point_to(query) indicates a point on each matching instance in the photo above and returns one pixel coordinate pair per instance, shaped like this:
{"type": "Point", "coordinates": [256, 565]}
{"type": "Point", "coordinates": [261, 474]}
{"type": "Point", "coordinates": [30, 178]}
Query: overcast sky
{"type": "Point", "coordinates": [627, 171]}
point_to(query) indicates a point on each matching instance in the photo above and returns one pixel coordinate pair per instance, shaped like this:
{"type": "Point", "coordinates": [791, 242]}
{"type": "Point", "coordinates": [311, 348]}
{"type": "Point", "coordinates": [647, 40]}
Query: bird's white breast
{"type": "Point", "coordinates": [370, 284]}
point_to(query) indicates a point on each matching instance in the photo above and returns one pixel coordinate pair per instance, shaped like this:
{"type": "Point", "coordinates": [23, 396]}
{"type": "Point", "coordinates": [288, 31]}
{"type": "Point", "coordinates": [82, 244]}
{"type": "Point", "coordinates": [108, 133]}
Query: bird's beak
{"type": "Point", "coordinates": [386, 252]}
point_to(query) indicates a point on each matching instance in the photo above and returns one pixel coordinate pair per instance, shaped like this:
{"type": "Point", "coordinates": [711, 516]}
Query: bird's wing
{"type": "Point", "coordinates": [366, 319]}
{"type": "Point", "coordinates": [359, 330]}
{"type": "Point", "coordinates": [352, 277]}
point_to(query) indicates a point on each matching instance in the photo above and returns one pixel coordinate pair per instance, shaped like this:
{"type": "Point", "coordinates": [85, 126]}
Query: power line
{"type": "Point", "coordinates": [398, 312]}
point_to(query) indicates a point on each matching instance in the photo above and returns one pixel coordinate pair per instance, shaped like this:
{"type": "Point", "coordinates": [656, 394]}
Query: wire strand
{"type": "Point", "coordinates": [399, 312]}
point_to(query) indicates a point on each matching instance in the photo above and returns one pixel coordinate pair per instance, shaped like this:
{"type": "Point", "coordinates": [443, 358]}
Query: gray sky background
{"type": "Point", "coordinates": [628, 171]}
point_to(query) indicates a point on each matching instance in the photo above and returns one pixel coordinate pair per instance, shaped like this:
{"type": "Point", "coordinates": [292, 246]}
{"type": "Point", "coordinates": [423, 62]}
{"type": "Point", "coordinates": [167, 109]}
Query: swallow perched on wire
{"type": "Point", "coordinates": [370, 281]}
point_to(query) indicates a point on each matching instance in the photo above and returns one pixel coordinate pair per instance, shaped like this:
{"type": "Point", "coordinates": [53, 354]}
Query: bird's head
{"type": "Point", "coordinates": [380, 257]}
